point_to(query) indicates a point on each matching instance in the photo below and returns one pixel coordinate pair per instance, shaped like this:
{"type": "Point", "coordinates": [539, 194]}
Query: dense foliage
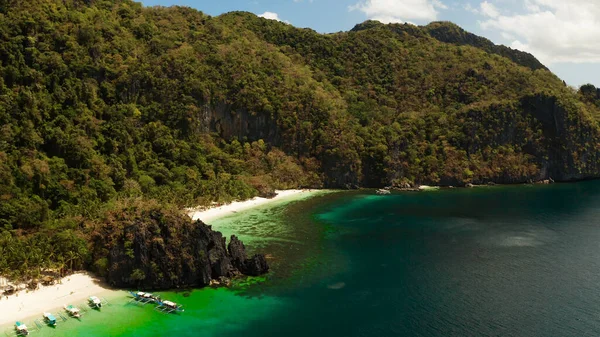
{"type": "Point", "coordinates": [103, 102]}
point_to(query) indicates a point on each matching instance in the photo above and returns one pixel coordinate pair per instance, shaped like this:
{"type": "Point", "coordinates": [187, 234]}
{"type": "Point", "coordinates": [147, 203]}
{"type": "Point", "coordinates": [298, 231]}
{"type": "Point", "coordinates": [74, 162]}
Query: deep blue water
{"type": "Point", "coordinates": [498, 261]}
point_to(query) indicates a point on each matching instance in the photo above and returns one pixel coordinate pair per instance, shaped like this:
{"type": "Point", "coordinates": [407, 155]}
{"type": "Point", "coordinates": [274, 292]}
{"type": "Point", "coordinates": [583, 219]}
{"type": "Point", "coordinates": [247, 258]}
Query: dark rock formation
{"type": "Point", "coordinates": [165, 251]}
{"type": "Point", "coordinates": [567, 155]}
{"type": "Point", "coordinates": [254, 266]}
{"type": "Point", "coordinates": [231, 123]}
{"type": "Point", "coordinates": [222, 281]}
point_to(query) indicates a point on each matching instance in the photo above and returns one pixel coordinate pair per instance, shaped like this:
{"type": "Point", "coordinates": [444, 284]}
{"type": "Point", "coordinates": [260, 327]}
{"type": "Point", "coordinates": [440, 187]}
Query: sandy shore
{"type": "Point", "coordinates": [75, 289]}
{"type": "Point", "coordinates": [213, 213]}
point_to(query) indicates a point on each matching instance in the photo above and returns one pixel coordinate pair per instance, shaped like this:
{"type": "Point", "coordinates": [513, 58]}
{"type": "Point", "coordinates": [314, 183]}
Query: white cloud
{"type": "Point", "coordinates": [555, 31]}
{"type": "Point", "coordinates": [507, 36]}
{"type": "Point", "coordinates": [388, 11]}
{"type": "Point", "coordinates": [488, 9]}
{"type": "Point", "coordinates": [272, 16]}
{"type": "Point", "coordinates": [531, 7]}
{"type": "Point", "coordinates": [439, 4]}
{"type": "Point", "coordinates": [471, 9]}
{"type": "Point", "coordinates": [485, 8]}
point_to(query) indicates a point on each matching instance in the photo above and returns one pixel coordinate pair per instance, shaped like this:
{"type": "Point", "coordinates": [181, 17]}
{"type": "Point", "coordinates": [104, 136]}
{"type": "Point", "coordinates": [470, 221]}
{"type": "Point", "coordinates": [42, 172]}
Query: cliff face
{"type": "Point", "coordinates": [153, 249]}
{"type": "Point", "coordinates": [571, 150]}
{"type": "Point", "coordinates": [231, 123]}
{"type": "Point", "coordinates": [540, 137]}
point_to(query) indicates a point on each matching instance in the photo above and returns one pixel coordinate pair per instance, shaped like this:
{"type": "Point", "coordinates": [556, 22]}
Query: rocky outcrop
{"type": "Point", "coordinates": [569, 152]}
{"type": "Point", "coordinates": [238, 123]}
{"type": "Point", "coordinates": [254, 266]}
{"type": "Point", "coordinates": [155, 250]}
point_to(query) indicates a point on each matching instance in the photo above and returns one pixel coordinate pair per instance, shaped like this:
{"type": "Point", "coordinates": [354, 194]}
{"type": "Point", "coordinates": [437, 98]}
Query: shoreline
{"type": "Point", "coordinates": [220, 211]}
{"type": "Point", "coordinates": [27, 306]}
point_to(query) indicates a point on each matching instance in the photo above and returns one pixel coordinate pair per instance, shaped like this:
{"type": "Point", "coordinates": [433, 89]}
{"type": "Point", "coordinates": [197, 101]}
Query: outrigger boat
{"type": "Point", "coordinates": [169, 307]}
{"type": "Point", "coordinates": [145, 297]}
{"type": "Point", "coordinates": [21, 329]}
{"type": "Point", "coordinates": [49, 319]}
{"type": "Point", "coordinates": [95, 302]}
{"type": "Point", "coordinates": [73, 311]}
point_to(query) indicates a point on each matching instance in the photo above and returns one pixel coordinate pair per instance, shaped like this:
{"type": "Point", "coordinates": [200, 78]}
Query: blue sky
{"type": "Point", "coordinates": [563, 34]}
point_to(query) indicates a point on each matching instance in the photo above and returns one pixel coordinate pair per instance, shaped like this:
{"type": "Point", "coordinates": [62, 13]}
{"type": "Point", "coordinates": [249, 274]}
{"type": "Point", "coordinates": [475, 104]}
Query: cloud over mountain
{"type": "Point", "coordinates": [388, 11]}
{"type": "Point", "coordinates": [554, 30]}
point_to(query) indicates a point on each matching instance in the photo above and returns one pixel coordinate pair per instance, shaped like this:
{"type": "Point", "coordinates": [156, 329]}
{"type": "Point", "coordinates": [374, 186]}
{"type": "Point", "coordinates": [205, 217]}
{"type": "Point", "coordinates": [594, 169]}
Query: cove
{"type": "Point", "coordinates": [490, 261]}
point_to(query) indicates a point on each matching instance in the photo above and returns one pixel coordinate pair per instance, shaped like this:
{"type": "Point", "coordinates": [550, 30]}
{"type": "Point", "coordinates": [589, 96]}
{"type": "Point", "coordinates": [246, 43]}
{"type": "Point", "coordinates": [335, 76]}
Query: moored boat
{"type": "Point", "coordinates": [49, 319]}
{"type": "Point", "coordinates": [143, 297]}
{"type": "Point", "coordinates": [169, 307]}
{"type": "Point", "coordinates": [21, 329]}
{"type": "Point", "coordinates": [95, 302]}
{"type": "Point", "coordinates": [73, 311]}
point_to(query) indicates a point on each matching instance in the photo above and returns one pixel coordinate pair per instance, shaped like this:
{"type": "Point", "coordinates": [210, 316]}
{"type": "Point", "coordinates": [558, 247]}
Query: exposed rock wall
{"type": "Point", "coordinates": [159, 251]}
{"type": "Point", "coordinates": [231, 123]}
{"type": "Point", "coordinates": [541, 137]}
{"type": "Point", "coordinates": [571, 150]}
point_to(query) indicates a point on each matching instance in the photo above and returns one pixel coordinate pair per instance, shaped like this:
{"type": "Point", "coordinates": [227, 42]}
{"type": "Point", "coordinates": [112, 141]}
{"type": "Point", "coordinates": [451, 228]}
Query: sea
{"type": "Point", "coordinates": [488, 261]}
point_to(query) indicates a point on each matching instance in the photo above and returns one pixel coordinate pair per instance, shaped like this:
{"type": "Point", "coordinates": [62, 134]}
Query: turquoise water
{"type": "Point", "coordinates": [498, 261]}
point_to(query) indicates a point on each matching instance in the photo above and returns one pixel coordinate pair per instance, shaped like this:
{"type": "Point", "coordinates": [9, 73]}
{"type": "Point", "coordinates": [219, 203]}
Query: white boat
{"type": "Point", "coordinates": [21, 329]}
{"type": "Point", "coordinates": [143, 297]}
{"type": "Point", "coordinates": [73, 311]}
{"type": "Point", "coordinates": [95, 302]}
{"type": "Point", "coordinates": [168, 307]}
{"type": "Point", "coordinates": [49, 319]}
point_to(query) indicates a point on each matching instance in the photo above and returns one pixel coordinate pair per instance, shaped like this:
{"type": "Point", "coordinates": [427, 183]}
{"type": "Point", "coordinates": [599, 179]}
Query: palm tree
{"type": "Point", "coordinates": [36, 258]}
{"type": "Point", "coordinates": [71, 257]}
{"type": "Point", "coordinates": [3, 261]}
{"type": "Point", "coordinates": [60, 263]}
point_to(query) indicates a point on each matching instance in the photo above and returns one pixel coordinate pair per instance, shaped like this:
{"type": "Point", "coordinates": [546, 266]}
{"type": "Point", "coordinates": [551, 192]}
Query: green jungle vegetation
{"type": "Point", "coordinates": [107, 104]}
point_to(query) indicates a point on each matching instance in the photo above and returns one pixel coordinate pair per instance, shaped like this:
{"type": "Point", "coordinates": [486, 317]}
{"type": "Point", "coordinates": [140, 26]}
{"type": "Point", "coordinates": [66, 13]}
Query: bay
{"type": "Point", "coordinates": [489, 261]}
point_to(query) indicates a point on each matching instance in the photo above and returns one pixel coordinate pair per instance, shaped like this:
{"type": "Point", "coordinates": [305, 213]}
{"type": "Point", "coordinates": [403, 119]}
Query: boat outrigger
{"type": "Point", "coordinates": [73, 311]}
{"type": "Point", "coordinates": [95, 302]}
{"type": "Point", "coordinates": [21, 329]}
{"type": "Point", "coordinates": [49, 319]}
{"type": "Point", "coordinates": [145, 298]}
{"type": "Point", "coordinates": [169, 307]}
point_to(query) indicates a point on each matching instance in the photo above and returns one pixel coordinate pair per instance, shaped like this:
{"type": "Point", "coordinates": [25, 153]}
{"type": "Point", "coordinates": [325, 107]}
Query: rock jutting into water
{"type": "Point", "coordinates": [158, 249]}
{"type": "Point", "coordinates": [254, 266]}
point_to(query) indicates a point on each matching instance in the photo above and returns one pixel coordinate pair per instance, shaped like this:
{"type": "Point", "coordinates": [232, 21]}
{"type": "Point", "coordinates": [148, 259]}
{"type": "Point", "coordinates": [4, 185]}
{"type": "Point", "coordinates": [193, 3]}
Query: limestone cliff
{"type": "Point", "coordinates": [156, 249]}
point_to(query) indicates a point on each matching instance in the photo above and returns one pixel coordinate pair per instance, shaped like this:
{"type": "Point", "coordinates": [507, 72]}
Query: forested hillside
{"type": "Point", "coordinates": [106, 103]}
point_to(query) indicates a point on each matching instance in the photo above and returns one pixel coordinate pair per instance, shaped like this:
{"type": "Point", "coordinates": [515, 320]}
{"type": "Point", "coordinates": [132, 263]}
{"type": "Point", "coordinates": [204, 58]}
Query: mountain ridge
{"type": "Point", "coordinates": [448, 32]}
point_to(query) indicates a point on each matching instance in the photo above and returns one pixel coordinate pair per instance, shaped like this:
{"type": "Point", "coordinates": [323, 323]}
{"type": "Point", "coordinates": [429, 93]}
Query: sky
{"type": "Point", "coordinates": [562, 34]}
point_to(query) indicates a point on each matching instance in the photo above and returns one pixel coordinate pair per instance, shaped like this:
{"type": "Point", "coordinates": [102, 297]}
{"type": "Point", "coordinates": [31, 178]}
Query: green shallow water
{"type": "Point", "coordinates": [498, 261]}
{"type": "Point", "coordinates": [214, 312]}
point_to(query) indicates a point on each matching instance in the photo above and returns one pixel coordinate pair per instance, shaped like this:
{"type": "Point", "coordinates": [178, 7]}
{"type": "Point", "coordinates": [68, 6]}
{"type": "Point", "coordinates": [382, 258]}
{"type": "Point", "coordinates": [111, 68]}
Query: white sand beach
{"type": "Point", "coordinates": [74, 289]}
{"type": "Point", "coordinates": [213, 213]}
